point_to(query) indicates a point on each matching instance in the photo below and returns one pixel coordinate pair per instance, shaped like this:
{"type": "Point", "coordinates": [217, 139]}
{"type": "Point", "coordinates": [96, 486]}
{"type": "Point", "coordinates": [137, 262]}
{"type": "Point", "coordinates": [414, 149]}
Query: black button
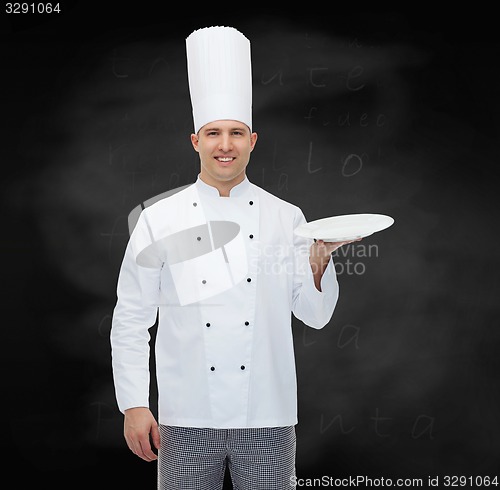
{"type": "Point", "coordinates": [249, 280]}
{"type": "Point", "coordinates": [208, 324]}
{"type": "Point", "coordinates": [195, 204]}
{"type": "Point", "coordinates": [251, 203]}
{"type": "Point", "coordinates": [247, 323]}
{"type": "Point", "coordinates": [198, 238]}
{"type": "Point", "coordinates": [212, 369]}
{"type": "Point", "coordinates": [203, 282]}
{"type": "Point", "coordinates": [242, 368]}
{"type": "Point", "coordinates": [251, 236]}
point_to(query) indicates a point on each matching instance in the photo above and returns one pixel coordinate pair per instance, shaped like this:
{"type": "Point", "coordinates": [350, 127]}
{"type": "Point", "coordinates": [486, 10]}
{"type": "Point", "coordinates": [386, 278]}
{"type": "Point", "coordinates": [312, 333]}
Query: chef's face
{"type": "Point", "coordinates": [224, 147]}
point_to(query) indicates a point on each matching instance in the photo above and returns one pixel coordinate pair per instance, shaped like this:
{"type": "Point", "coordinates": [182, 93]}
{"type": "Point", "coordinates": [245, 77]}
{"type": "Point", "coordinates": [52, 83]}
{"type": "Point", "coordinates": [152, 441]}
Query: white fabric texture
{"type": "Point", "coordinates": [226, 361]}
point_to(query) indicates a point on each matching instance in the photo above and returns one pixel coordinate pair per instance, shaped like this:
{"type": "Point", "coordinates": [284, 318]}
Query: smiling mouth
{"type": "Point", "coordinates": [224, 161]}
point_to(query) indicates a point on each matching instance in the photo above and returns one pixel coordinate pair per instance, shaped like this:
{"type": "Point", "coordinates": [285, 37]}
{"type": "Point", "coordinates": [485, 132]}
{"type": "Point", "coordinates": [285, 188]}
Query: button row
{"type": "Point", "coordinates": [249, 202]}
{"type": "Point", "coordinates": [199, 237]}
{"type": "Point", "coordinates": [204, 281]}
{"type": "Point", "coordinates": [212, 368]}
{"type": "Point", "coordinates": [208, 325]}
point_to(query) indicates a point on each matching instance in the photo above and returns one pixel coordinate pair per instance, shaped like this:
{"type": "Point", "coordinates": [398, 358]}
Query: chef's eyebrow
{"type": "Point", "coordinates": [215, 128]}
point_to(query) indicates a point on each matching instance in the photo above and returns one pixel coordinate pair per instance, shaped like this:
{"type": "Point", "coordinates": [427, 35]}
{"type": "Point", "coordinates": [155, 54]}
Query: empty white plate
{"type": "Point", "coordinates": [345, 227]}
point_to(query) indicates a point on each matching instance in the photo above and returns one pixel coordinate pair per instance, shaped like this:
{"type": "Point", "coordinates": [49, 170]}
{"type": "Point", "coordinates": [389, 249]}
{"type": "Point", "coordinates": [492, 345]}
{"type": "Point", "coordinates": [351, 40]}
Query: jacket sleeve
{"type": "Point", "coordinates": [135, 312]}
{"type": "Point", "coordinates": [314, 308]}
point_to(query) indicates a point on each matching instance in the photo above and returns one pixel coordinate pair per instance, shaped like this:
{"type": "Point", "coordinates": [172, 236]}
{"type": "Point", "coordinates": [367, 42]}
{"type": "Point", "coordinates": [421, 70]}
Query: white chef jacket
{"type": "Point", "coordinates": [227, 359]}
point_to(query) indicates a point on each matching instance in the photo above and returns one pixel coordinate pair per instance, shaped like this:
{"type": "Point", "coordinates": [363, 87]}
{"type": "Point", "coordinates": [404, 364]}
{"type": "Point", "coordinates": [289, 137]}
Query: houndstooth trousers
{"type": "Point", "coordinates": [196, 458]}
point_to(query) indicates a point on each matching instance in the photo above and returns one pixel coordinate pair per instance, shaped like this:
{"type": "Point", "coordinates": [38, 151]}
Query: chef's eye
{"type": "Point", "coordinates": [238, 133]}
{"type": "Point", "coordinates": [212, 133]}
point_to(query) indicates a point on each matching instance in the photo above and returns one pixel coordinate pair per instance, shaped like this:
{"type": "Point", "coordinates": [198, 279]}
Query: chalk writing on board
{"type": "Point", "coordinates": [318, 78]}
{"type": "Point", "coordinates": [315, 78]}
{"type": "Point", "coordinates": [422, 425]}
{"type": "Point", "coordinates": [267, 80]}
{"type": "Point", "coordinates": [352, 164]}
{"type": "Point", "coordinates": [348, 334]}
{"type": "Point", "coordinates": [283, 182]}
{"type": "Point", "coordinates": [309, 161]}
{"type": "Point", "coordinates": [310, 114]}
{"type": "Point", "coordinates": [363, 121]}
{"type": "Point", "coordinates": [377, 419]}
{"type": "Point", "coordinates": [156, 62]}
{"type": "Point", "coordinates": [350, 118]}
{"type": "Point", "coordinates": [113, 233]}
{"type": "Point", "coordinates": [304, 335]}
{"type": "Point", "coordinates": [350, 81]}
{"type": "Point", "coordinates": [123, 66]}
{"type": "Point", "coordinates": [338, 418]}
{"type": "Point", "coordinates": [115, 60]}
{"type": "Point", "coordinates": [104, 326]}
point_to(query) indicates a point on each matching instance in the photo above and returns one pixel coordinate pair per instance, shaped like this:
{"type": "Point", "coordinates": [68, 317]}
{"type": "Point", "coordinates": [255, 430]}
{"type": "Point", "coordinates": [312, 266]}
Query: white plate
{"type": "Point", "coordinates": [345, 227]}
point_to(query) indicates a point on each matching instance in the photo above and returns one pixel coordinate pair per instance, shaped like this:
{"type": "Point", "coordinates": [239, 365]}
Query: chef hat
{"type": "Point", "coordinates": [220, 75]}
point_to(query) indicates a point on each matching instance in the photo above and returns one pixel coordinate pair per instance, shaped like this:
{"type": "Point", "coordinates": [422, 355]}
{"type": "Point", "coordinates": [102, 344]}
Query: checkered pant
{"type": "Point", "coordinates": [196, 458]}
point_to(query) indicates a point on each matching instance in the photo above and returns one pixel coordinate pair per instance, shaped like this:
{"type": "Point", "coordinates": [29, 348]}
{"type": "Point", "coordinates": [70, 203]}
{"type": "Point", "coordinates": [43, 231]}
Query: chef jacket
{"type": "Point", "coordinates": [224, 358]}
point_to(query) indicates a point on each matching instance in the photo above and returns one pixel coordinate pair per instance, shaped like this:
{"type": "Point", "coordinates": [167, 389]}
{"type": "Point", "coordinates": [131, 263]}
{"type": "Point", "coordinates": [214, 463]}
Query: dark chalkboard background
{"type": "Point", "coordinates": [356, 112]}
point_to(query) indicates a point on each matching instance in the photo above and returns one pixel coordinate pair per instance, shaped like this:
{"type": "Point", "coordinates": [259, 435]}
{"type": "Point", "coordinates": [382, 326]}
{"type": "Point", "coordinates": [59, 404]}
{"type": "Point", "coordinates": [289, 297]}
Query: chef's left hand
{"type": "Point", "coordinates": [321, 250]}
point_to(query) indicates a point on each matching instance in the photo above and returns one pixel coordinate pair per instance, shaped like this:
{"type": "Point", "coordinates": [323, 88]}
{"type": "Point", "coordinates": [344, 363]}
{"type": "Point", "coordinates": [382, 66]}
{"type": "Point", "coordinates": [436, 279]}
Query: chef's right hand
{"type": "Point", "coordinates": [140, 428]}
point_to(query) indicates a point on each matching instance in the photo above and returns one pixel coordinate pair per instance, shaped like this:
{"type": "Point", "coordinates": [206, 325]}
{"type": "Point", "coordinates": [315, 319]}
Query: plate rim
{"type": "Point", "coordinates": [298, 229]}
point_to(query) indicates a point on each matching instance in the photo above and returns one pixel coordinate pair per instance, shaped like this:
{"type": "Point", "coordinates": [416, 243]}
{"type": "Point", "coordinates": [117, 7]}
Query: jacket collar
{"type": "Point", "coordinates": [238, 190]}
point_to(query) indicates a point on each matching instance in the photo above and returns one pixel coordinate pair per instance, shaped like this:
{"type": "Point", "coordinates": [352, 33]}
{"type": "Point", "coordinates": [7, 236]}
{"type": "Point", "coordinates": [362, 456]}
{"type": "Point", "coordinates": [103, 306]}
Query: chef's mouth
{"type": "Point", "coordinates": [225, 160]}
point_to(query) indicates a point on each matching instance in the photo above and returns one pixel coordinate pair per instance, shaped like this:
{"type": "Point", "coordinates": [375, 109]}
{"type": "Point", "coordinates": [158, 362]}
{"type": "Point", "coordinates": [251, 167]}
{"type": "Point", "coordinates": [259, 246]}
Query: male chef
{"type": "Point", "coordinates": [220, 265]}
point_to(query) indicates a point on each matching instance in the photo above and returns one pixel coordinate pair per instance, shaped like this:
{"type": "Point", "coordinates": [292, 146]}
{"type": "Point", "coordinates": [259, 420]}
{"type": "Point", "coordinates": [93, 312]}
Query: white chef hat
{"type": "Point", "coordinates": [220, 75]}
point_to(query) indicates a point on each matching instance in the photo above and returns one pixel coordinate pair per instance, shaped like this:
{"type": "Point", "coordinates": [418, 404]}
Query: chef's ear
{"type": "Point", "coordinates": [194, 141]}
{"type": "Point", "coordinates": [253, 140]}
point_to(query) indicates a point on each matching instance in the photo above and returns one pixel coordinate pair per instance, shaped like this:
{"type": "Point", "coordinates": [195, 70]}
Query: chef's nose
{"type": "Point", "coordinates": [225, 143]}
